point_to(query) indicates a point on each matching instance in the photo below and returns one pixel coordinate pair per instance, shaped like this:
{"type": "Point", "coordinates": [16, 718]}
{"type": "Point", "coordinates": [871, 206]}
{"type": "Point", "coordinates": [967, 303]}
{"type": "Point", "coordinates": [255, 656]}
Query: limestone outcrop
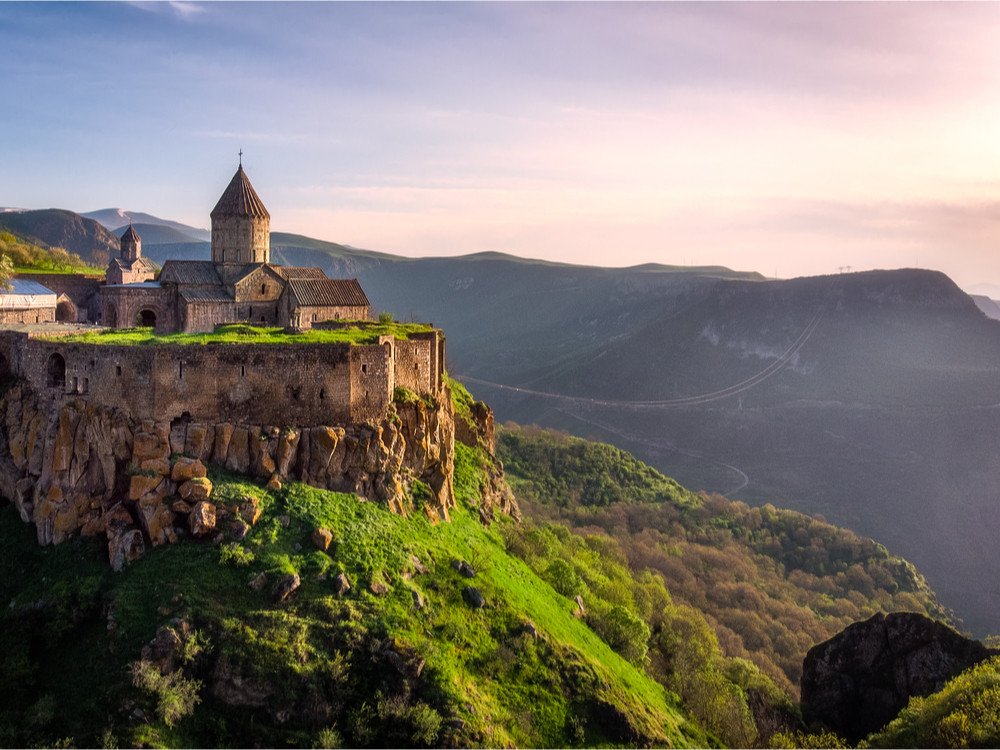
{"type": "Point", "coordinates": [856, 682]}
{"type": "Point", "coordinates": [73, 467]}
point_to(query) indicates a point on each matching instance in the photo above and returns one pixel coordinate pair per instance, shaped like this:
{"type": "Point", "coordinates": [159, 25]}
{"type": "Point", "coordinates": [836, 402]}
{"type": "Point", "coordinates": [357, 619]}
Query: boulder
{"type": "Point", "coordinates": [249, 509]}
{"type": "Point", "coordinates": [125, 547]}
{"type": "Point", "coordinates": [289, 583]}
{"type": "Point", "coordinates": [163, 650]}
{"type": "Point", "coordinates": [857, 681]}
{"type": "Point", "coordinates": [473, 597]}
{"type": "Point", "coordinates": [187, 468]}
{"type": "Point", "coordinates": [322, 538]}
{"type": "Point", "coordinates": [258, 582]}
{"type": "Point", "coordinates": [196, 490]}
{"type": "Point", "coordinates": [142, 484]}
{"type": "Point", "coordinates": [340, 584]}
{"type": "Point", "coordinates": [464, 569]}
{"type": "Point", "coordinates": [238, 529]}
{"type": "Point", "coordinates": [201, 520]}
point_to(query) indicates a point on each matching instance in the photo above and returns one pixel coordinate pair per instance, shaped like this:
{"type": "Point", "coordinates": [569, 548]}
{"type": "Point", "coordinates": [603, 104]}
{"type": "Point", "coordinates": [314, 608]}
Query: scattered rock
{"type": "Point", "coordinates": [579, 611]}
{"type": "Point", "coordinates": [341, 585]}
{"type": "Point", "coordinates": [201, 520]}
{"type": "Point", "coordinates": [180, 507]}
{"type": "Point", "coordinates": [531, 629]}
{"type": "Point", "coordinates": [125, 547]}
{"type": "Point", "coordinates": [163, 650]}
{"type": "Point", "coordinates": [233, 689]}
{"type": "Point", "coordinates": [418, 566]}
{"type": "Point", "coordinates": [238, 529]}
{"type": "Point", "coordinates": [249, 509]}
{"type": "Point", "coordinates": [322, 538]}
{"type": "Point", "coordinates": [418, 600]}
{"type": "Point", "coordinates": [273, 484]}
{"type": "Point", "coordinates": [284, 588]}
{"type": "Point", "coordinates": [473, 597]}
{"type": "Point", "coordinates": [378, 588]}
{"type": "Point", "coordinates": [196, 490]}
{"type": "Point", "coordinates": [187, 468]}
{"type": "Point", "coordinates": [258, 582]}
{"type": "Point", "coordinates": [284, 520]}
{"type": "Point", "coordinates": [463, 568]}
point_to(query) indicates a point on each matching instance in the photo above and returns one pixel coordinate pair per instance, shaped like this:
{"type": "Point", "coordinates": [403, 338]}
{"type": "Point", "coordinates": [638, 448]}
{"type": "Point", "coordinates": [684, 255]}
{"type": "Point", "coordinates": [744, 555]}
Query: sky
{"type": "Point", "coordinates": [786, 138]}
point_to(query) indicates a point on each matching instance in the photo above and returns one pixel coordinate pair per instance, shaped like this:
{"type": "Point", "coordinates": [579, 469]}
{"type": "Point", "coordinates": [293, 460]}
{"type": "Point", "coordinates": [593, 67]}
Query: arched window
{"type": "Point", "coordinates": [56, 371]}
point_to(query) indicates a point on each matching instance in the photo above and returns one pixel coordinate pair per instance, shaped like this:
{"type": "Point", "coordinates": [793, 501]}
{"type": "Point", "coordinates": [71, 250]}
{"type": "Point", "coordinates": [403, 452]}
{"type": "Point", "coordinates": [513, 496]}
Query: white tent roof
{"type": "Point", "coordinates": [26, 295]}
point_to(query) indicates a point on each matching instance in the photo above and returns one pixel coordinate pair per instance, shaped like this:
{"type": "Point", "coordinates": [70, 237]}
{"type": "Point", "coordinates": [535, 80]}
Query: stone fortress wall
{"type": "Point", "coordinates": [266, 384]}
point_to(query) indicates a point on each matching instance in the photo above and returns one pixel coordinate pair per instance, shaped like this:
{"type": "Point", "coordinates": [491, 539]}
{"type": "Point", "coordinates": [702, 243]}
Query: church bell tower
{"type": "Point", "coordinates": [241, 226]}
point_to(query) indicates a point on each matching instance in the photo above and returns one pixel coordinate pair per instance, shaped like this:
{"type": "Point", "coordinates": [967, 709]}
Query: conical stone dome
{"type": "Point", "coordinates": [130, 244]}
{"type": "Point", "coordinates": [241, 226]}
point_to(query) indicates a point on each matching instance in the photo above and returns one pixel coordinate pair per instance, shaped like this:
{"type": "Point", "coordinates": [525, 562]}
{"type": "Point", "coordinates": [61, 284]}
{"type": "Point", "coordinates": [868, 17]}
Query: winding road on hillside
{"type": "Point", "coordinates": [703, 398]}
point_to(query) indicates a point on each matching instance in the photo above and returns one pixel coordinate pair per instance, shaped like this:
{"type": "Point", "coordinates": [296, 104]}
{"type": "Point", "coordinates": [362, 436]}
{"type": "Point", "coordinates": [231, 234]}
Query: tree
{"type": "Point", "coordinates": [6, 271]}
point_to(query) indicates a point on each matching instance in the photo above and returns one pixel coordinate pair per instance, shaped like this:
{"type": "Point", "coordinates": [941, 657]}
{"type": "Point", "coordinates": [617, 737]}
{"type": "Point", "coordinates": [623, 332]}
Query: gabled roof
{"type": "Point", "coordinates": [205, 295]}
{"type": "Point", "coordinates": [240, 199]}
{"type": "Point", "coordinates": [328, 292]}
{"type": "Point", "coordinates": [139, 263]}
{"type": "Point", "coordinates": [190, 272]}
{"type": "Point", "coordinates": [299, 272]}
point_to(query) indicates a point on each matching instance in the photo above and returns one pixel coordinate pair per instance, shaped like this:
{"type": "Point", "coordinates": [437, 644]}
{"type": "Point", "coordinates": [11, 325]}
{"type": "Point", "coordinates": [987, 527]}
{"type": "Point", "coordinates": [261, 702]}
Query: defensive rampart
{"type": "Point", "coordinates": [279, 384]}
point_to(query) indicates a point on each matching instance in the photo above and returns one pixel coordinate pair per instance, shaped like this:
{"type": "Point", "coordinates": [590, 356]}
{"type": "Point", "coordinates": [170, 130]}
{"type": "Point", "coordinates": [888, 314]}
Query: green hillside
{"type": "Point", "coordinates": [317, 669]}
{"type": "Point", "coordinates": [55, 227]}
{"type": "Point", "coordinates": [771, 583]}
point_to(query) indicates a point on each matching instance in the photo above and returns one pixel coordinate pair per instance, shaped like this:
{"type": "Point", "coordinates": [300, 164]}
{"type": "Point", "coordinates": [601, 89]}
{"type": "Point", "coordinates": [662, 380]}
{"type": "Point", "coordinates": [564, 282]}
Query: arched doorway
{"type": "Point", "coordinates": [146, 319]}
{"type": "Point", "coordinates": [56, 371]}
{"type": "Point", "coordinates": [110, 316]}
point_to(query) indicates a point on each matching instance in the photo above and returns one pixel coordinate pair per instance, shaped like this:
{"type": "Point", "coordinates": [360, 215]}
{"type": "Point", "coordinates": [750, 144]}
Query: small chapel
{"type": "Point", "coordinates": [239, 283]}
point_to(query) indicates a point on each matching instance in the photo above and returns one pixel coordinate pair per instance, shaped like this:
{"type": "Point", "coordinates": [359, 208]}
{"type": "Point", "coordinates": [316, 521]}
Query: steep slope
{"type": "Point", "coordinates": [368, 635]}
{"type": "Point", "coordinates": [771, 583]}
{"type": "Point", "coordinates": [59, 228]}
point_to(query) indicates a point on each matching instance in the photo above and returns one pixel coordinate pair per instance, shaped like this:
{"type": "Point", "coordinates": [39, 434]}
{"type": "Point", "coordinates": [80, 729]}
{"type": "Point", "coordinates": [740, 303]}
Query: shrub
{"type": "Point", "coordinates": [175, 696]}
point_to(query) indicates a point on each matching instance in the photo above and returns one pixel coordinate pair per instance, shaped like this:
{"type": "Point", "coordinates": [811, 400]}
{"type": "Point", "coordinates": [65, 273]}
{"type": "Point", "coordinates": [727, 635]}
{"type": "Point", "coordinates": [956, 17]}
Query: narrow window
{"type": "Point", "coordinates": [180, 370]}
{"type": "Point", "coordinates": [118, 369]}
{"type": "Point", "coordinates": [263, 288]}
{"type": "Point", "coordinates": [243, 370]}
{"type": "Point", "coordinates": [364, 368]}
{"type": "Point", "coordinates": [322, 394]}
{"type": "Point", "coordinates": [86, 385]}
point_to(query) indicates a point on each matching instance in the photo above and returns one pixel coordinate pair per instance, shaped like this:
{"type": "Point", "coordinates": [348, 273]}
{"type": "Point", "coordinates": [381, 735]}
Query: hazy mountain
{"type": "Point", "coordinates": [115, 218]}
{"type": "Point", "coordinates": [157, 234]}
{"type": "Point", "coordinates": [868, 398]}
{"type": "Point", "coordinates": [55, 227]}
{"type": "Point", "coordinates": [989, 306]}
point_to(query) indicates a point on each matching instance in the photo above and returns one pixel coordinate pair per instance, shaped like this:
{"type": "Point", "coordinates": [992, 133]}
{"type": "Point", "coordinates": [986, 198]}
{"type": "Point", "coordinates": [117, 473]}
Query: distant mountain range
{"type": "Point", "coordinates": [118, 218]}
{"type": "Point", "coordinates": [870, 398]}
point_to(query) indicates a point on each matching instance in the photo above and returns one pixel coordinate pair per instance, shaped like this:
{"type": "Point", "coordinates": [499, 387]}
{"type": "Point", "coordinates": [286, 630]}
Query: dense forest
{"type": "Point", "coordinates": [771, 583]}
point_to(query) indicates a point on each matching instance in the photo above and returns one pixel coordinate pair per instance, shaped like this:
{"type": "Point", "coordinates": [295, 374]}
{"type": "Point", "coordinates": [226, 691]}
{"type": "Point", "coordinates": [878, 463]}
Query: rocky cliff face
{"type": "Point", "coordinates": [856, 682]}
{"type": "Point", "coordinates": [76, 467]}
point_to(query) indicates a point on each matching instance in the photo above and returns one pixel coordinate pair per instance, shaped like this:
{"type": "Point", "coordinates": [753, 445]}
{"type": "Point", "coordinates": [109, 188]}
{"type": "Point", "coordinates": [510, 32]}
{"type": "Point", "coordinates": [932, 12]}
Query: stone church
{"type": "Point", "coordinates": [239, 283]}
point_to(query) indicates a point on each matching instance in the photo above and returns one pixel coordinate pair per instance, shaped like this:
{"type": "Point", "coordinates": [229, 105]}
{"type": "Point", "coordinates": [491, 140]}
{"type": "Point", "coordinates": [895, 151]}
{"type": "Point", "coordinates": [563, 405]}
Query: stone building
{"type": "Point", "coordinates": [130, 267]}
{"type": "Point", "coordinates": [239, 283]}
{"type": "Point", "coordinates": [27, 302]}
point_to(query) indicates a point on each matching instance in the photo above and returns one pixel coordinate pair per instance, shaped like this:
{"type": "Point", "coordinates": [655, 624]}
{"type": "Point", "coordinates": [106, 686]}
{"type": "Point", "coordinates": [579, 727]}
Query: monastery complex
{"type": "Point", "coordinates": [264, 384]}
